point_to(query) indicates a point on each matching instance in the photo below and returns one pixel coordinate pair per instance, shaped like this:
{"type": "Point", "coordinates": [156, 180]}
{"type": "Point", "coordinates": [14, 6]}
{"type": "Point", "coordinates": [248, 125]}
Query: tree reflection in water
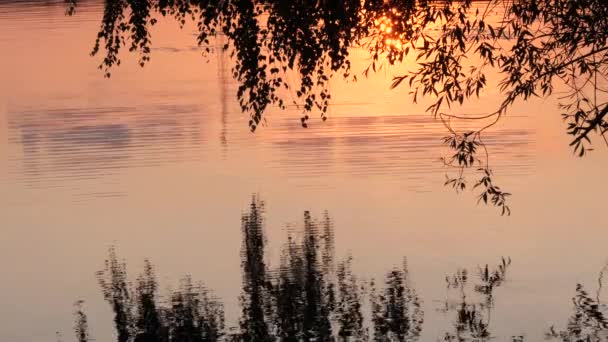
{"type": "Point", "coordinates": [473, 318]}
{"type": "Point", "coordinates": [589, 319]}
{"type": "Point", "coordinates": [311, 297]}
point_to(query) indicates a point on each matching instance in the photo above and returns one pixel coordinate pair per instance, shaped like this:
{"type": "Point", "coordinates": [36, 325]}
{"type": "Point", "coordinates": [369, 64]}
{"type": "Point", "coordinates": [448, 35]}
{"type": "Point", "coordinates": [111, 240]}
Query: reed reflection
{"type": "Point", "coordinates": [308, 297]}
{"type": "Point", "coordinates": [396, 311]}
{"type": "Point", "coordinates": [311, 296]}
{"type": "Point", "coordinates": [192, 312]}
{"type": "Point", "coordinates": [589, 319]}
{"type": "Point", "coordinates": [473, 311]}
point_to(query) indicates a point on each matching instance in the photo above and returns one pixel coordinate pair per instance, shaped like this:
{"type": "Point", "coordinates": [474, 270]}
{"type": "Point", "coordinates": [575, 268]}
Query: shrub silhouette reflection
{"type": "Point", "coordinates": [312, 297]}
{"type": "Point", "coordinates": [589, 319]}
{"type": "Point", "coordinates": [309, 297]}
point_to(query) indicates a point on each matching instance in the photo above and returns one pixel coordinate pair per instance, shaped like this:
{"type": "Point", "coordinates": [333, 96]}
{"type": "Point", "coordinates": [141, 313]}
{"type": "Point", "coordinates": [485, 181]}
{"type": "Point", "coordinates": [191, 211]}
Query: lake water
{"type": "Point", "coordinates": [159, 162]}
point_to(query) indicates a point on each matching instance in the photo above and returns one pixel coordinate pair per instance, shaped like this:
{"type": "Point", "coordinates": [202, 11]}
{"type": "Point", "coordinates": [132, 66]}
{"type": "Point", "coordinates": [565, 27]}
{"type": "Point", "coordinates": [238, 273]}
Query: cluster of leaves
{"type": "Point", "coordinates": [267, 39]}
{"type": "Point", "coordinates": [465, 148]}
{"type": "Point", "coordinates": [270, 38]}
{"type": "Point", "coordinates": [532, 45]}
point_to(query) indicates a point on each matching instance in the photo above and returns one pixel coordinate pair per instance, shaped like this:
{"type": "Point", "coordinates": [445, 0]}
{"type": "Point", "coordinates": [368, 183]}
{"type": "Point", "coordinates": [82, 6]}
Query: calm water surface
{"type": "Point", "coordinates": [159, 162]}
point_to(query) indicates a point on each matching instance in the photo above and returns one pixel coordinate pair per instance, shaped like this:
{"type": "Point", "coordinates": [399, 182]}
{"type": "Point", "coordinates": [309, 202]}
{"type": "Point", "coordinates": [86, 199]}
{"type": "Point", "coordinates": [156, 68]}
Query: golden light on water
{"type": "Point", "coordinates": [117, 161]}
{"type": "Point", "coordinates": [386, 29]}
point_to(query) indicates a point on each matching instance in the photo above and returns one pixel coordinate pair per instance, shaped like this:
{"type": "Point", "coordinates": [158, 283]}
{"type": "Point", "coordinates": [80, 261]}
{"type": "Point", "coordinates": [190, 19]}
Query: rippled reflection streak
{"type": "Point", "coordinates": [400, 146]}
{"type": "Point", "coordinates": [72, 144]}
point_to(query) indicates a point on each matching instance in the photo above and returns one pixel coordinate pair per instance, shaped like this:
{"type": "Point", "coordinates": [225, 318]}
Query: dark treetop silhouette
{"type": "Point", "coordinates": [310, 297]}
{"type": "Point", "coordinates": [533, 45]}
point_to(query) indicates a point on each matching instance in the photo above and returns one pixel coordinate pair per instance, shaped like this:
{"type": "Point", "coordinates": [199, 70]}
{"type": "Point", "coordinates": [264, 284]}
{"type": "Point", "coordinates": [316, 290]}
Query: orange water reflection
{"type": "Point", "coordinates": [160, 161]}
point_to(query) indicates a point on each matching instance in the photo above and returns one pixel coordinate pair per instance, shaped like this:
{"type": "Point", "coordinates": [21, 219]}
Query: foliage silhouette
{"type": "Point", "coordinates": [533, 46]}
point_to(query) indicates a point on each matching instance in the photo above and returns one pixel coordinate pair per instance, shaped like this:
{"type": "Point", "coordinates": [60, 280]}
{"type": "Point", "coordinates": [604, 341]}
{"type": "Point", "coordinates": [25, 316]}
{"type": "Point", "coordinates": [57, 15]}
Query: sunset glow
{"type": "Point", "coordinates": [304, 171]}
